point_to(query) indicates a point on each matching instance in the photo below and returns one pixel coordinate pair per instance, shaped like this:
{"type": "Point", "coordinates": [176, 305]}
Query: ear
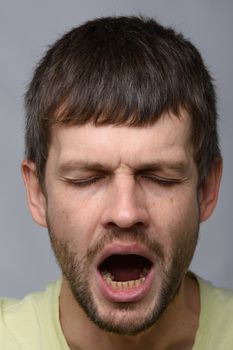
{"type": "Point", "coordinates": [208, 191]}
{"type": "Point", "coordinates": [35, 196]}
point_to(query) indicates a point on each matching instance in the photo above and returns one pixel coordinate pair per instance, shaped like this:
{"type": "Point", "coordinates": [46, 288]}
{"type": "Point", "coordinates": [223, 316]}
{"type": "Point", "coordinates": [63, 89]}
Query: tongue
{"type": "Point", "coordinates": [125, 267]}
{"type": "Point", "coordinates": [125, 274]}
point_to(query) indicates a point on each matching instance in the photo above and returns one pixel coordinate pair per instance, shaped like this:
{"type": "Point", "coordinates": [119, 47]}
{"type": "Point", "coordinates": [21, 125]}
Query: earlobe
{"type": "Point", "coordinates": [208, 192]}
{"type": "Point", "coordinates": [35, 196]}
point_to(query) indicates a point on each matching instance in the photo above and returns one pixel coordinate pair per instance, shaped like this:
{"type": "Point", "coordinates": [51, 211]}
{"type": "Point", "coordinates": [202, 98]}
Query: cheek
{"type": "Point", "coordinates": [184, 207]}
{"type": "Point", "coordinates": [174, 217]}
{"type": "Point", "coordinates": [184, 212]}
{"type": "Point", "coordinates": [70, 218]}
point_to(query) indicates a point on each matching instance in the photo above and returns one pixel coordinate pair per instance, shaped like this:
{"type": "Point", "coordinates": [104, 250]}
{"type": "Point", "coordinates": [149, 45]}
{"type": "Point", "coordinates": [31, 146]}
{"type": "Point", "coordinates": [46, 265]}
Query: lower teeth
{"type": "Point", "coordinates": [120, 284]}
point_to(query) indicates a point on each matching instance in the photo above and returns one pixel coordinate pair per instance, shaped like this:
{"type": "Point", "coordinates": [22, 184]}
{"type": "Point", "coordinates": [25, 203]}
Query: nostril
{"type": "Point", "coordinates": [126, 220]}
{"type": "Point", "coordinates": [138, 226]}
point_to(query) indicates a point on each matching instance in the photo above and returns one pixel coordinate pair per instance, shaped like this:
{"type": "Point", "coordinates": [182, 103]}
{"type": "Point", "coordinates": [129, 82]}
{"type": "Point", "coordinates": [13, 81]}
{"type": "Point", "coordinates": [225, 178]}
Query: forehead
{"type": "Point", "coordinates": [167, 138]}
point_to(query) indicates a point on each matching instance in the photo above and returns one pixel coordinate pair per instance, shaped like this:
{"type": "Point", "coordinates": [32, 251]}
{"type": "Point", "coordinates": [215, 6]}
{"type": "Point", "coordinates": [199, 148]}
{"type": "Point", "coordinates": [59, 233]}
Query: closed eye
{"type": "Point", "coordinates": [83, 182]}
{"type": "Point", "coordinates": [162, 180]}
{"type": "Point", "coordinates": [92, 180]}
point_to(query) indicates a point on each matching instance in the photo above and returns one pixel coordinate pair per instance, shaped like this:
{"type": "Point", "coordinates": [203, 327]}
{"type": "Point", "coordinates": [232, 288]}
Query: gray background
{"type": "Point", "coordinates": [26, 28]}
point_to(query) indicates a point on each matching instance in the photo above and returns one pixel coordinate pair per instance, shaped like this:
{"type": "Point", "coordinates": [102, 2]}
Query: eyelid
{"type": "Point", "coordinates": [83, 181]}
{"type": "Point", "coordinates": [86, 181]}
{"type": "Point", "coordinates": [163, 180]}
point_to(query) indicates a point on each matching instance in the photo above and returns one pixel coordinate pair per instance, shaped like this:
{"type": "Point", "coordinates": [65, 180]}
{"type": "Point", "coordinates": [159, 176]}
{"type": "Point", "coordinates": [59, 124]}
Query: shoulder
{"type": "Point", "coordinates": [29, 307]}
{"type": "Point", "coordinates": [27, 321]}
{"type": "Point", "coordinates": [216, 317]}
{"type": "Point", "coordinates": [216, 299]}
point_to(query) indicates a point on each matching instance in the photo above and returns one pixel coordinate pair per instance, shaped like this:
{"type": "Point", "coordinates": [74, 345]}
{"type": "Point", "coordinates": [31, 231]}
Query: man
{"type": "Point", "coordinates": [122, 165]}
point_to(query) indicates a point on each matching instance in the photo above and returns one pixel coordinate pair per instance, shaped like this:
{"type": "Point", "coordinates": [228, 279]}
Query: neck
{"type": "Point", "coordinates": [176, 328]}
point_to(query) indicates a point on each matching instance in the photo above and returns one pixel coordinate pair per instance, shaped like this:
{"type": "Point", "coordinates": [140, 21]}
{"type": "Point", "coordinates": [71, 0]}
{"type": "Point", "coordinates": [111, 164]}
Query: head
{"type": "Point", "coordinates": [121, 71]}
{"type": "Point", "coordinates": [105, 93]}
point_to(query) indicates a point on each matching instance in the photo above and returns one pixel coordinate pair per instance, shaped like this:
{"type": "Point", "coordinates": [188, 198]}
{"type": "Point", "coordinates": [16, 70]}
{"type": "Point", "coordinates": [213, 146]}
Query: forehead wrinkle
{"type": "Point", "coordinates": [180, 167]}
{"type": "Point", "coordinates": [132, 148]}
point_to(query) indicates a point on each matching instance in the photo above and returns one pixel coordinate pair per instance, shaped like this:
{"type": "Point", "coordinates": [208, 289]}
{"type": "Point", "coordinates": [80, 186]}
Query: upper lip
{"type": "Point", "coordinates": [125, 248]}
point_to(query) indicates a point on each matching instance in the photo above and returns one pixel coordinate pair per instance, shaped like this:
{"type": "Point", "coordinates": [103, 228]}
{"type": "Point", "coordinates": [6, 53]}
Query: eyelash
{"type": "Point", "coordinates": [162, 181]}
{"type": "Point", "coordinates": [84, 183]}
{"type": "Point", "coordinates": [155, 179]}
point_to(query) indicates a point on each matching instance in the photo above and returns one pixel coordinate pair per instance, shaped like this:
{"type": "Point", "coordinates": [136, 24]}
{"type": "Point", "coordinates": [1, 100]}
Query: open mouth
{"type": "Point", "coordinates": [125, 272]}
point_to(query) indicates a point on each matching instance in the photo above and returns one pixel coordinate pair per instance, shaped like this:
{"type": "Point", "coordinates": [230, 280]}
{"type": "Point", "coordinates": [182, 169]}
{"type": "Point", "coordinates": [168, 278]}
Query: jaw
{"type": "Point", "coordinates": [127, 327]}
{"type": "Point", "coordinates": [116, 309]}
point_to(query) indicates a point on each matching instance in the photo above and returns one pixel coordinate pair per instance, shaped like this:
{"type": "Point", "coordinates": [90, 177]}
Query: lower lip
{"type": "Point", "coordinates": [127, 295]}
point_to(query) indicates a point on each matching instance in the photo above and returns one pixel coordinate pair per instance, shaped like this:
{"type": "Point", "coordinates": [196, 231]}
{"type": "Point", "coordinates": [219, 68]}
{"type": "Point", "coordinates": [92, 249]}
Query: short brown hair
{"type": "Point", "coordinates": [121, 70]}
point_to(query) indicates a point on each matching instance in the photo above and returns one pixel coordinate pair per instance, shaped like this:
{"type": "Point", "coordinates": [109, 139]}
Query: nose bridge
{"type": "Point", "coordinates": [125, 206]}
{"type": "Point", "coordinates": [125, 194]}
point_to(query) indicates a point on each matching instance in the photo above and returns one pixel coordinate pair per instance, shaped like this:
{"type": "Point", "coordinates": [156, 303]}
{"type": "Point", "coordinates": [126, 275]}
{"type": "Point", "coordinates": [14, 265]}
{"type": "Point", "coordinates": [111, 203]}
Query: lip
{"type": "Point", "coordinates": [126, 248]}
{"type": "Point", "coordinates": [134, 294]}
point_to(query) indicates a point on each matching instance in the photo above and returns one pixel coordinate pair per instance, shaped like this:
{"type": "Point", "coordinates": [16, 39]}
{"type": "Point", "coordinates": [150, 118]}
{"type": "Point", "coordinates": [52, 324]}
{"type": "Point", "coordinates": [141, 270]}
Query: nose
{"type": "Point", "coordinates": [125, 205]}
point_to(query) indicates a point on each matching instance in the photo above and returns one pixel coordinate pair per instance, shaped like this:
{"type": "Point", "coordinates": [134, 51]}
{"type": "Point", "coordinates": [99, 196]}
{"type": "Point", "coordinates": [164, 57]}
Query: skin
{"type": "Point", "coordinates": [145, 181]}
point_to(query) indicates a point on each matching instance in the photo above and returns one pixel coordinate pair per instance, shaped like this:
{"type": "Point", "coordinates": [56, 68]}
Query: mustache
{"type": "Point", "coordinates": [132, 235]}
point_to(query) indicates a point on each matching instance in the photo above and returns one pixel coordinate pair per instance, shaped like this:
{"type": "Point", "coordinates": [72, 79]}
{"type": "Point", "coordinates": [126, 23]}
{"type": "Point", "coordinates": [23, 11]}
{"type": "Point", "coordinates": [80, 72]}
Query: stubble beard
{"type": "Point", "coordinates": [76, 272]}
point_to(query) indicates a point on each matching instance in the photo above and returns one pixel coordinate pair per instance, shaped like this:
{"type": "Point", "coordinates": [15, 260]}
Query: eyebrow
{"type": "Point", "coordinates": [73, 165]}
{"type": "Point", "coordinates": [181, 167]}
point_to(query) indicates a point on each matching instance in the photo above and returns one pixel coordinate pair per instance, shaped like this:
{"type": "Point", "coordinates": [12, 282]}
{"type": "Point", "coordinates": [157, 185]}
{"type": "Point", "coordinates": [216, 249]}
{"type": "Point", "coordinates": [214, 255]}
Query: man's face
{"type": "Point", "coordinates": [123, 216]}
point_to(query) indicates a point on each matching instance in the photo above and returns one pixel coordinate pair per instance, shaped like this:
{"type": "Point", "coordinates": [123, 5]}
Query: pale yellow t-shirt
{"type": "Point", "coordinates": [33, 323]}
